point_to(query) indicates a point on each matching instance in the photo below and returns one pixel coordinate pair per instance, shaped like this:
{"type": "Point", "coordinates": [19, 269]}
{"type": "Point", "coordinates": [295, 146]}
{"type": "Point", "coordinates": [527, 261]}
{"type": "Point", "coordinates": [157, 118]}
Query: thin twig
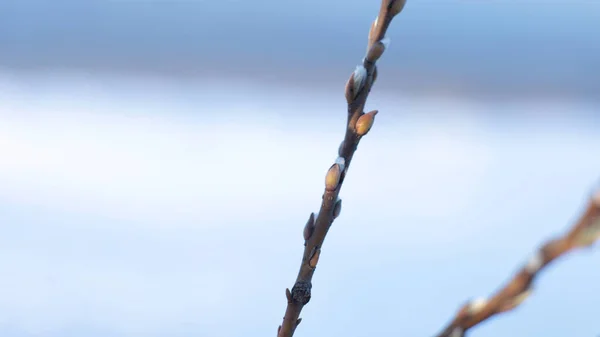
{"type": "Point", "coordinates": [584, 233]}
{"type": "Point", "coordinates": [359, 123]}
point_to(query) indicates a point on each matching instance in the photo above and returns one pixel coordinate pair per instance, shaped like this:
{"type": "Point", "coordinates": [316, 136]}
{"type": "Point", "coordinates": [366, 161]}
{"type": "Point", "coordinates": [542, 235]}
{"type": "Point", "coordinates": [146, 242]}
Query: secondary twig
{"type": "Point", "coordinates": [358, 124]}
{"type": "Point", "coordinates": [584, 233]}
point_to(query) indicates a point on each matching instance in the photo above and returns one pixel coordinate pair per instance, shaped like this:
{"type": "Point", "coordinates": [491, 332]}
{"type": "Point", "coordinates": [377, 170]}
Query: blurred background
{"type": "Point", "coordinates": [158, 160]}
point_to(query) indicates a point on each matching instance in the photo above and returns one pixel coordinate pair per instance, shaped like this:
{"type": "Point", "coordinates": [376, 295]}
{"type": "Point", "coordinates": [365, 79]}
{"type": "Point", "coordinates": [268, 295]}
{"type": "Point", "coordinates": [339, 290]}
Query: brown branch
{"type": "Point", "coordinates": [359, 123]}
{"type": "Point", "coordinates": [584, 233]}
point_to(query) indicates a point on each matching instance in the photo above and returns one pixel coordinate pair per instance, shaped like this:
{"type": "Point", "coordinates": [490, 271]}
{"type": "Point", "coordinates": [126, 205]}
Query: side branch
{"type": "Point", "coordinates": [359, 123]}
{"type": "Point", "coordinates": [584, 233]}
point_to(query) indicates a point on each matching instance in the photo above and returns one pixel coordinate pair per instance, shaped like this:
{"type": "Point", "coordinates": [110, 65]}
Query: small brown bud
{"type": "Point", "coordinates": [309, 228]}
{"type": "Point", "coordinates": [372, 32]}
{"type": "Point", "coordinates": [375, 51]}
{"type": "Point", "coordinates": [288, 295]}
{"type": "Point", "coordinates": [314, 259]}
{"type": "Point", "coordinates": [298, 321]}
{"type": "Point", "coordinates": [337, 208]}
{"type": "Point", "coordinates": [365, 122]}
{"type": "Point", "coordinates": [464, 311]}
{"type": "Point", "coordinates": [332, 179]}
{"type": "Point", "coordinates": [396, 7]}
{"type": "Point", "coordinates": [515, 301]}
{"type": "Point", "coordinates": [589, 234]}
{"type": "Point", "coordinates": [350, 89]}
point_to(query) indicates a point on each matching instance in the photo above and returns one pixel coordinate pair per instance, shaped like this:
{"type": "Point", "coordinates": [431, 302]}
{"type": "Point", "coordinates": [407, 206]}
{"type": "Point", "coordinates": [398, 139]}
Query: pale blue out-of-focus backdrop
{"type": "Point", "coordinates": [158, 160]}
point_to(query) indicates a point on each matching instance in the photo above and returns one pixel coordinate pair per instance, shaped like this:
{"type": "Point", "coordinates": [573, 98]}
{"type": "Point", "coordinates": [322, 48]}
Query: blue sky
{"type": "Point", "coordinates": [135, 216]}
{"type": "Point", "coordinates": [508, 48]}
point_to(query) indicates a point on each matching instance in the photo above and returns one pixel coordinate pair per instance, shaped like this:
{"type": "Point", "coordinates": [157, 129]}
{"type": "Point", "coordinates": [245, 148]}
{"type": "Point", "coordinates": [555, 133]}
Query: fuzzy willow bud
{"type": "Point", "coordinates": [337, 208]}
{"type": "Point", "coordinates": [397, 6]}
{"type": "Point", "coordinates": [377, 49]}
{"type": "Point", "coordinates": [332, 179]}
{"type": "Point", "coordinates": [365, 122]}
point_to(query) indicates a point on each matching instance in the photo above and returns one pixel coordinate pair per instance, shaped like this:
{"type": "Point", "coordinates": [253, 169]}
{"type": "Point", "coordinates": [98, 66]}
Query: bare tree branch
{"type": "Point", "coordinates": [359, 123]}
{"type": "Point", "coordinates": [584, 233]}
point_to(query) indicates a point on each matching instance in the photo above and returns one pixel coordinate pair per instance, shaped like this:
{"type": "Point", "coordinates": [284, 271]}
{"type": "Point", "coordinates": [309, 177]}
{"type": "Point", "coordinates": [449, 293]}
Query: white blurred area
{"type": "Point", "coordinates": [139, 207]}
